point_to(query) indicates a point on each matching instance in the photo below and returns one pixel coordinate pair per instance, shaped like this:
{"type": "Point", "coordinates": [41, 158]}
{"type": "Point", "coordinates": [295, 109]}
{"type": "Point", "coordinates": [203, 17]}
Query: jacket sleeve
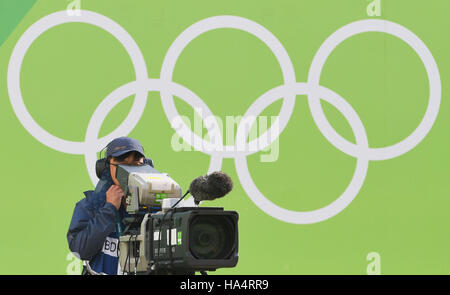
{"type": "Point", "coordinates": [87, 232]}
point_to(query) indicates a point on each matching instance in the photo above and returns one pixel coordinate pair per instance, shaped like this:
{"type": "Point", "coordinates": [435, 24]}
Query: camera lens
{"type": "Point", "coordinates": [211, 237]}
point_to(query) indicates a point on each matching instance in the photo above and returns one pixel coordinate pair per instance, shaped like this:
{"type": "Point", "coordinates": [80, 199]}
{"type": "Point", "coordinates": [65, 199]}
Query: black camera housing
{"type": "Point", "coordinates": [188, 239]}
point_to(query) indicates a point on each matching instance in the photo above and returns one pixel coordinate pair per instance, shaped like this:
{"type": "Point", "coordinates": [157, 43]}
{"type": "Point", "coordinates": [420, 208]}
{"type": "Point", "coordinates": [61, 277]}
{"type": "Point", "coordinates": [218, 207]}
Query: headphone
{"type": "Point", "coordinates": [101, 164]}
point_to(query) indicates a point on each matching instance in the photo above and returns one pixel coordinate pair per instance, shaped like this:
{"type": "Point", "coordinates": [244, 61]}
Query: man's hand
{"type": "Point", "coordinates": [114, 195]}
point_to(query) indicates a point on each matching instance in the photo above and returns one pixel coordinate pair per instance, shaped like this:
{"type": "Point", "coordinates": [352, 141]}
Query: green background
{"type": "Point", "coordinates": [401, 211]}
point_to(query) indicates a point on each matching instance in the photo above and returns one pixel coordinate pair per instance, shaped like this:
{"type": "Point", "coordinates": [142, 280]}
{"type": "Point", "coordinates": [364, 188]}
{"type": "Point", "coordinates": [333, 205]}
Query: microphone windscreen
{"type": "Point", "coordinates": [211, 186]}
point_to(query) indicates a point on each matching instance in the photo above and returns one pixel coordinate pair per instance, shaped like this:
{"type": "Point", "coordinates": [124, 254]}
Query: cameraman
{"type": "Point", "coordinates": [96, 224]}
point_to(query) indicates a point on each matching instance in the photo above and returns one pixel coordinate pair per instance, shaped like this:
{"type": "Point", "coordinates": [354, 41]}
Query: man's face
{"type": "Point", "coordinates": [130, 160]}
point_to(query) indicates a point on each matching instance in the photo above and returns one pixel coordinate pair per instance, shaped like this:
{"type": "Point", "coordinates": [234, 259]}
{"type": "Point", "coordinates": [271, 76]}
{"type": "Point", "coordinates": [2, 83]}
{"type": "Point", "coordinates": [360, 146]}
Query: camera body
{"type": "Point", "coordinates": [144, 186]}
{"type": "Point", "coordinates": [182, 241]}
{"type": "Point", "coordinates": [159, 240]}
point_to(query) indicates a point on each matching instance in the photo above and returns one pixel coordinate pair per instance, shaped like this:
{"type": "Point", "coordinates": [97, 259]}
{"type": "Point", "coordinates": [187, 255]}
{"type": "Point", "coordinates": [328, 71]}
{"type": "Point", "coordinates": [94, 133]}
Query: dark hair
{"type": "Point", "coordinates": [136, 156]}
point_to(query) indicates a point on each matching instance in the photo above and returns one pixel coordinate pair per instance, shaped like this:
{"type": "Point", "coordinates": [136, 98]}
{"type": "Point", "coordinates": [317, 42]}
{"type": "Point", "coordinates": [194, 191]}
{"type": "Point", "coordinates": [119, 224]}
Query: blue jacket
{"type": "Point", "coordinates": [93, 231]}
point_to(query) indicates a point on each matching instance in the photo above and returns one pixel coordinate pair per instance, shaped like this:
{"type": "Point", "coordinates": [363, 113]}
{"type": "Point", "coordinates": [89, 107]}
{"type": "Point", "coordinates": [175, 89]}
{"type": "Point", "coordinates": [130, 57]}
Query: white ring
{"type": "Point", "coordinates": [119, 95]}
{"type": "Point", "coordinates": [306, 217]}
{"type": "Point", "coordinates": [374, 25]}
{"type": "Point", "coordinates": [213, 23]}
{"type": "Point", "coordinates": [15, 65]}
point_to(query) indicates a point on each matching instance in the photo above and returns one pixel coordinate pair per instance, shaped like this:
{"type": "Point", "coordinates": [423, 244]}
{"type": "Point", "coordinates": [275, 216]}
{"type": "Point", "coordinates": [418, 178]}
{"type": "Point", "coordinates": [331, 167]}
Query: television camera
{"type": "Point", "coordinates": [162, 237]}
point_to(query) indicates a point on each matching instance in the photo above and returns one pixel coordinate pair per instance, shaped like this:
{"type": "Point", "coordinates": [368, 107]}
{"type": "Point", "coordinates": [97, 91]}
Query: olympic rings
{"type": "Point", "coordinates": [288, 92]}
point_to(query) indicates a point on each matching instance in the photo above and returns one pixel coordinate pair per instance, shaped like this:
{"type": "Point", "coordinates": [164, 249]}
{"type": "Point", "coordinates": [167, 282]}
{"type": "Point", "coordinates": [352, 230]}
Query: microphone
{"type": "Point", "coordinates": [210, 186]}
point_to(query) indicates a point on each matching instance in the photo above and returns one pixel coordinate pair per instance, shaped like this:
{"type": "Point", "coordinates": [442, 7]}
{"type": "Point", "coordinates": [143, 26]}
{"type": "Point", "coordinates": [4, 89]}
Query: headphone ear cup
{"type": "Point", "coordinates": [100, 166]}
{"type": "Point", "coordinates": [148, 161]}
